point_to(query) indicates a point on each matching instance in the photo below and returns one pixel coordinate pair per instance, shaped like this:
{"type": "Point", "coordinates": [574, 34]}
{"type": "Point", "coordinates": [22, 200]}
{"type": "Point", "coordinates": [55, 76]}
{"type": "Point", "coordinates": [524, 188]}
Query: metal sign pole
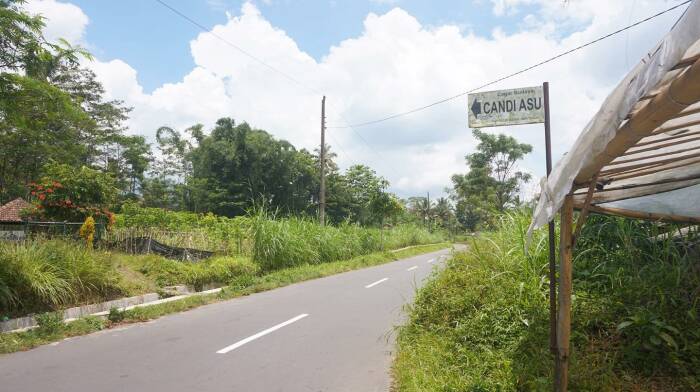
{"type": "Point", "coordinates": [552, 251]}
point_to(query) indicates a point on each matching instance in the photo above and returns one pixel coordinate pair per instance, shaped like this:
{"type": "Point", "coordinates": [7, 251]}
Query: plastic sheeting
{"type": "Point", "coordinates": [679, 202]}
{"type": "Point", "coordinates": [652, 73]}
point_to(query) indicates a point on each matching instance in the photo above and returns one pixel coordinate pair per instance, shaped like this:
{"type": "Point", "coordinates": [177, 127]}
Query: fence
{"type": "Point", "coordinates": [24, 230]}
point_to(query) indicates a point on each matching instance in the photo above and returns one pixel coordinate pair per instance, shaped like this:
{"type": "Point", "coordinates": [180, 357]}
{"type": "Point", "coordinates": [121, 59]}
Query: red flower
{"type": "Point", "coordinates": [42, 196]}
{"type": "Point", "coordinates": [49, 190]}
{"type": "Point", "coordinates": [33, 193]}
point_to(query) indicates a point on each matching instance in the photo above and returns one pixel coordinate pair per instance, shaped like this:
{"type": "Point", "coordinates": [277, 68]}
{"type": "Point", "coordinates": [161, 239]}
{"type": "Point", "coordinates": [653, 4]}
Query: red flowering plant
{"type": "Point", "coordinates": [69, 194]}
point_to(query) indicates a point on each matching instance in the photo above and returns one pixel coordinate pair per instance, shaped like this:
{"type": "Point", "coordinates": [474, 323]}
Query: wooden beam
{"type": "Point", "coordinates": [584, 210]}
{"type": "Point", "coordinates": [565, 288]}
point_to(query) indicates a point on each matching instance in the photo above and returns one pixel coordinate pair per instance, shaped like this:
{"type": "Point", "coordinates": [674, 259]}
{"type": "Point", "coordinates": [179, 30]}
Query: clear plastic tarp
{"type": "Point", "coordinates": [631, 166]}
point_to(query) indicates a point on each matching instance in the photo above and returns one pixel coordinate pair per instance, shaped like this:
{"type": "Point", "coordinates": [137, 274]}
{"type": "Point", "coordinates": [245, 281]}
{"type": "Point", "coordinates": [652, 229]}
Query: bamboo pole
{"type": "Point", "coordinates": [564, 316]}
{"type": "Point", "coordinates": [610, 195]}
{"type": "Point", "coordinates": [654, 169]}
{"type": "Point", "coordinates": [673, 98]}
{"type": "Point", "coordinates": [654, 147]}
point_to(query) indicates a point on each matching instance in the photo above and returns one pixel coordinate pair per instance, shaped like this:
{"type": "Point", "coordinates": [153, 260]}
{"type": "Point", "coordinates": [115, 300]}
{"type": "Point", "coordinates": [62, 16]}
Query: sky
{"type": "Point", "coordinates": [371, 58]}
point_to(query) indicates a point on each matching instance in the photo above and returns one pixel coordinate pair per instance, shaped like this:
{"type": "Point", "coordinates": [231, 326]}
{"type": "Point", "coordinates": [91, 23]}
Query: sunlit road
{"type": "Point", "coordinates": [329, 334]}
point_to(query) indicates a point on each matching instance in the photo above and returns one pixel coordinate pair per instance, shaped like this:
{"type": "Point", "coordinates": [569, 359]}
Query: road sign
{"type": "Point", "coordinates": [506, 107]}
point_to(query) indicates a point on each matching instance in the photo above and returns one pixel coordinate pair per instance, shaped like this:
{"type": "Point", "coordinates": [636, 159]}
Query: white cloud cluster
{"type": "Point", "coordinates": [395, 64]}
{"type": "Point", "coordinates": [63, 20]}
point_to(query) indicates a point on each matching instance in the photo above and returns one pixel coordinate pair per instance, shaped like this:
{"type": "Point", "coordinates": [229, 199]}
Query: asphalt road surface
{"type": "Point", "coordinates": [329, 334]}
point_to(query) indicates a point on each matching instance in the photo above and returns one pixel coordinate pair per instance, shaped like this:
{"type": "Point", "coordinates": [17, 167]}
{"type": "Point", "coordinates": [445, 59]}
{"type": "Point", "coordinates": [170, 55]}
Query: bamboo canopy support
{"type": "Point", "coordinates": [679, 94]}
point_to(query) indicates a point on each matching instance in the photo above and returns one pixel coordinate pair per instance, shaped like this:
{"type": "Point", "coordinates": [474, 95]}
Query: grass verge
{"type": "Point", "coordinates": [481, 324]}
{"type": "Point", "coordinates": [50, 331]}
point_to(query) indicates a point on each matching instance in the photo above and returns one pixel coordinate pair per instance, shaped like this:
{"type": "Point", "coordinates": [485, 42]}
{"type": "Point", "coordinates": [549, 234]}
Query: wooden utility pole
{"type": "Point", "coordinates": [428, 216]}
{"type": "Point", "coordinates": [322, 192]}
{"type": "Point", "coordinates": [565, 288]}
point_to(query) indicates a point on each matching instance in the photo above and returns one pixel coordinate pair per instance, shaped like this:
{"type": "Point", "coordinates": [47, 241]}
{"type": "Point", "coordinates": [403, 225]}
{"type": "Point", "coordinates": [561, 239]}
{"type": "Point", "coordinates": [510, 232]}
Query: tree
{"type": "Point", "coordinates": [492, 183]}
{"type": "Point", "coordinates": [363, 185]}
{"type": "Point", "coordinates": [442, 211]}
{"type": "Point", "coordinates": [237, 166]}
{"type": "Point", "coordinates": [66, 193]}
{"type": "Point", "coordinates": [384, 205]}
{"type": "Point", "coordinates": [52, 110]}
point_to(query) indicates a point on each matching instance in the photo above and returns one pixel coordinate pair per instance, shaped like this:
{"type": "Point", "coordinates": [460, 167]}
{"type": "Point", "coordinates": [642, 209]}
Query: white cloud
{"type": "Point", "coordinates": [63, 20]}
{"type": "Point", "coordinates": [396, 64]}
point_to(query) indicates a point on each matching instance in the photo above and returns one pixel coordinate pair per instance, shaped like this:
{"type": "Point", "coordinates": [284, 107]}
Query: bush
{"type": "Point", "coordinates": [115, 315]}
{"type": "Point", "coordinates": [44, 275]}
{"type": "Point", "coordinates": [50, 323]}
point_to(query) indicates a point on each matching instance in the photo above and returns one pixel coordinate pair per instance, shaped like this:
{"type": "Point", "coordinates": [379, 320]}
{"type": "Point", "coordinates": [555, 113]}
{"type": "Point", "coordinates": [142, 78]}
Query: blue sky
{"type": "Point", "coordinates": [155, 41]}
{"type": "Point", "coordinates": [371, 58]}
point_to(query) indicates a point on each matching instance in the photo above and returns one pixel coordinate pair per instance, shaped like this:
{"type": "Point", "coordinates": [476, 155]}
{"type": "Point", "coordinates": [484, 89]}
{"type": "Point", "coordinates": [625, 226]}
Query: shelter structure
{"type": "Point", "coordinates": [638, 157]}
{"type": "Point", "coordinates": [11, 221]}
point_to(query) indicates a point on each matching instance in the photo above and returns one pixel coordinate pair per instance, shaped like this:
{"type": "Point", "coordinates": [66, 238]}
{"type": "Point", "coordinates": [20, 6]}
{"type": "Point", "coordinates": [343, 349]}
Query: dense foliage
{"type": "Point", "coordinates": [482, 324]}
{"type": "Point", "coordinates": [493, 182]}
{"type": "Point", "coordinates": [52, 109]}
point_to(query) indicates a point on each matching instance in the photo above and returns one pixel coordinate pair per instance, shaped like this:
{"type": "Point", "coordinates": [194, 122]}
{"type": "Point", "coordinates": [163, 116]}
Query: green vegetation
{"type": "Point", "coordinates": [241, 285]}
{"type": "Point", "coordinates": [482, 323]}
{"type": "Point", "coordinates": [293, 241]}
{"type": "Point", "coordinates": [43, 275]}
{"type": "Point", "coordinates": [493, 182]}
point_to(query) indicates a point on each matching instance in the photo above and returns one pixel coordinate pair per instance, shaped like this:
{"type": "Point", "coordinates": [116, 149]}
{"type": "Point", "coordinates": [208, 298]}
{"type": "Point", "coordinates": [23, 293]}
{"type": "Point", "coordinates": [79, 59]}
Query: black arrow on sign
{"type": "Point", "coordinates": [476, 108]}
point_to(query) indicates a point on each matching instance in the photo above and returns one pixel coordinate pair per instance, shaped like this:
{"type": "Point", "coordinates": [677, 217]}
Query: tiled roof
{"type": "Point", "coordinates": [10, 212]}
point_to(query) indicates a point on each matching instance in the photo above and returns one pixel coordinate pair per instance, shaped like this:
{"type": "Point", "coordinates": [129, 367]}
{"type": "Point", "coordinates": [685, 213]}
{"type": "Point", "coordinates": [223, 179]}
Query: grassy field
{"type": "Point", "coordinates": [45, 275]}
{"type": "Point", "coordinates": [51, 329]}
{"type": "Point", "coordinates": [482, 323]}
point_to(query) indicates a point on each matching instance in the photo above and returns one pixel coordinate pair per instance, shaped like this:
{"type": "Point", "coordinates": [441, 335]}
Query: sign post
{"type": "Point", "coordinates": [527, 105]}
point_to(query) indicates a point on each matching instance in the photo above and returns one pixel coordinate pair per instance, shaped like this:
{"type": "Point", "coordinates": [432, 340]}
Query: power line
{"type": "Point", "coordinates": [441, 101]}
{"type": "Point", "coordinates": [248, 54]}
{"type": "Point", "coordinates": [374, 150]}
{"type": "Point", "coordinates": [238, 48]}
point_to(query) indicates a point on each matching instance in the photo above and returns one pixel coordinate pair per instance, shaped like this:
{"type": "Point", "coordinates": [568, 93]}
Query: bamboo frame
{"type": "Point", "coordinates": [672, 99]}
{"type": "Point", "coordinates": [641, 215]}
{"type": "Point", "coordinates": [670, 143]}
{"type": "Point", "coordinates": [565, 288]}
{"type": "Point", "coordinates": [651, 156]}
{"type": "Point", "coordinates": [610, 195]}
{"type": "Point", "coordinates": [669, 128]}
{"type": "Point", "coordinates": [584, 211]}
{"type": "Point", "coordinates": [653, 169]}
{"type": "Point", "coordinates": [657, 138]}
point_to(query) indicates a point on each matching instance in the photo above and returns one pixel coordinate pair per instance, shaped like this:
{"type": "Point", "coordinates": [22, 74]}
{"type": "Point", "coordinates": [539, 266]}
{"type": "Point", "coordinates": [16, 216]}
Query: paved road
{"type": "Point", "coordinates": [329, 334]}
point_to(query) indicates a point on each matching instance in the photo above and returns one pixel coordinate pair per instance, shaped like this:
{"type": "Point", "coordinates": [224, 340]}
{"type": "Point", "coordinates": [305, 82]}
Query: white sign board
{"type": "Point", "coordinates": [506, 107]}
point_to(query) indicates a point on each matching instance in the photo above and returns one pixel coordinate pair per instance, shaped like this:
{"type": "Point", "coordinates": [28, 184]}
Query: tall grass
{"type": "Point", "coordinates": [482, 323]}
{"type": "Point", "coordinates": [287, 242]}
{"type": "Point", "coordinates": [43, 275]}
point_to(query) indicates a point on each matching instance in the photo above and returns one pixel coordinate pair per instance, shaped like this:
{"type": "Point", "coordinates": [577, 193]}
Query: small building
{"type": "Point", "coordinates": [12, 226]}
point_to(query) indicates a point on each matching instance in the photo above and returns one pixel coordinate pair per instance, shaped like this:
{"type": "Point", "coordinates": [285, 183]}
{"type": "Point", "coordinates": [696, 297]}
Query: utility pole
{"type": "Point", "coordinates": [322, 193]}
{"type": "Point", "coordinates": [428, 216]}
